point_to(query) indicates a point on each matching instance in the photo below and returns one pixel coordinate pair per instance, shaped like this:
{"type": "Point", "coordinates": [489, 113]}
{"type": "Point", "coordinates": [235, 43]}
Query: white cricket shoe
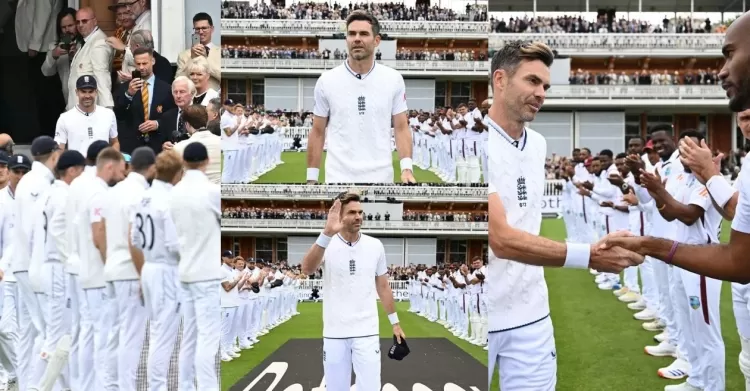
{"type": "Point", "coordinates": [656, 325]}
{"type": "Point", "coordinates": [639, 305]}
{"type": "Point", "coordinates": [661, 337]}
{"type": "Point", "coordinates": [663, 349]}
{"type": "Point", "coordinates": [678, 369]}
{"type": "Point", "coordinates": [646, 315]}
{"type": "Point", "coordinates": [593, 272]}
{"type": "Point", "coordinates": [601, 278]}
{"type": "Point", "coordinates": [621, 291]}
{"type": "Point", "coordinates": [630, 297]}
{"type": "Point", "coordinates": [607, 285]}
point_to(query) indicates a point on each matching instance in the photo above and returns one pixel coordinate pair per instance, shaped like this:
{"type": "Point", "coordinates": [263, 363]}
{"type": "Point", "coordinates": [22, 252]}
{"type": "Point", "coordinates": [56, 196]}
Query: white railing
{"type": "Point", "coordinates": [656, 44]}
{"type": "Point", "coordinates": [318, 64]}
{"type": "Point", "coordinates": [298, 27]}
{"type": "Point", "coordinates": [636, 92]}
{"type": "Point", "coordinates": [366, 225]}
{"type": "Point", "coordinates": [400, 289]}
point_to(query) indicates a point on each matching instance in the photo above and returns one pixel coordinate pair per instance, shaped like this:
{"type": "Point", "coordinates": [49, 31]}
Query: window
{"type": "Point", "coordinates": [264, 249]}
{"type": "Point", "coordinates": [236, 248]}
{"type": "Point", "coordinates": [258, 92]}
{"type": "Point", "coordinates": [458, 251]}
{"type": "Point", "coordinates": [281, 249]}
{"type": "Point", "coordinates": [653, 120]}
{"type": "Point", "coordinates": [703, 126]}
{"type": "Point", "coordinates": [237, 90]}
{"type": "Point", "coordinates": [460, 92]}
{"type": "Point", "coordinates": [440, 94]}
{"type": "Point", "coordinates": [440, 252]}
{"type": "Point", "coordinates": [485, 250]}
{"type": "Point", "coordinates": [632, 128]}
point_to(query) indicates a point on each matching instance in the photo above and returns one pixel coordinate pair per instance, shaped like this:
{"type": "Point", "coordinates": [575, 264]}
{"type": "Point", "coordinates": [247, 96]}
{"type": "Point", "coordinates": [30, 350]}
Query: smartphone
{"type": "Point", "coordinates": [196, 39]}
{"type": "Point", "coordinates": [136, 74]}
{"type": "Point", "coordinates": [65, 42]}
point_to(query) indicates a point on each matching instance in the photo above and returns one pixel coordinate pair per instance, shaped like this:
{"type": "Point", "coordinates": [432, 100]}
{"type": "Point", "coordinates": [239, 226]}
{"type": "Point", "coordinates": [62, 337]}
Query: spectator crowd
{"type": "Point", "coordinates": [244, 212]}
{"type": "Point", "coordinates": [603, 23]}
{"type": "Point", "coordinates": [289, 53]}
{"type": "Point", "coordinates": [645, 77]}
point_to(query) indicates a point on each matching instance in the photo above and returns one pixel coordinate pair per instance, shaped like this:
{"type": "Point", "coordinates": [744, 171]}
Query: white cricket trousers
{"type": "Point", "coordinates": [227, 174]}
{"type": "Point", "coordinates": [56, 317]}
{"type": "Point", "coordinates": [705, 344]}
{"type": "Point", "coordinates": [201, 334]}
{"type": "Point", "coordinates": [525, 356]}
{"type": "Point", "coordinates": [666, 312]}
{"type": "Point", "coordinates": [342, 354]}
{"type": "Point", "coordinates": [228, 340]}
{"type": "Point", "coordinates": [75, 305]}
{"type": "Point", "coordinates": [95, 368]}
{"type": "Point", "coordinates": [741, 306]}
{"type": "Point", "coordinates": [30, 326]}
{"type": "Point", "coordinates": [159, 285]}
{"type": "Point", "coordinates": [128, 334]}
{"type": "Point", "coordinates": [9, 328]}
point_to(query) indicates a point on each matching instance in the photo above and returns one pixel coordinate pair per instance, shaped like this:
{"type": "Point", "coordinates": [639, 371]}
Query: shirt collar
{"type": "Point", "coordinates": [151, 79]}
{"type": "Point", "coordinates": [194, 174]}
{"type": "Point", "coordinates": [520, 143]}
{"type": "Point", "coordinates": [61, 183]}
{"type": "Point", "coordinates": [134, 176]}
{"type": "Point", "coordinates": [48, 175]}
{"type": "Point", "coordinates": [78, 109]}
{"type": "Point", "coordinates": [101, 182]}
{"type": "Point", "coordinates": [161, 184]}
{"type": "Point", "coordinates": [86, 38]}
{"type": "Point", "coordinates": [359, 75]}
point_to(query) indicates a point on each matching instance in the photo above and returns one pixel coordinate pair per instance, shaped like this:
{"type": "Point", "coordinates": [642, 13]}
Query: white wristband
{"type": "Point", "coordinates": [323, 240]}
{"type": "Point", "coordinates": [393, 318]}
{"type": "Point", "coordinates": [721, 191]}
{"type": "Point", "coordinates": [578, 256]}
{"type": "Point", "coordinates": [406, 164]}
{"type": "Point", "coordinates": [312, 174]}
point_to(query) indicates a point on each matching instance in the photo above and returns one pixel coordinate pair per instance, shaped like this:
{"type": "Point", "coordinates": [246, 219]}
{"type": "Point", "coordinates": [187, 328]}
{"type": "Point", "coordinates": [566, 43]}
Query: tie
{"type": "Point", "coordinates": [181, 124]}
{"type": "Point", "coordinates": [515, 143]}
{"type": "Point", "coordinates": [144, 99]}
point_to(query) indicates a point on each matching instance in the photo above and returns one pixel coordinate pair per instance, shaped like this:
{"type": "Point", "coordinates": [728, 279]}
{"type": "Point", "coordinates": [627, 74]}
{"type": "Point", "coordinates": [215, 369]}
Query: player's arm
{"type": "Point", "coordinates": [671, 209]}
{"type": "Point", "coordinates": [114, 141]}
{"type": "Point", "coordinates": [314, 257]}
{"type": "Point", "coordinates": [98, 225]}
{"type": "Point", "coordinates": [136, 243]}
{"type": "Point", "coordinates": [385, 294]}
{"type": "Point", "coordinates": [229, 283]}
{"type": "Point", "coordinates": [61, 133]}
{"type": "Point", "coordinates": [317, 137]}
{"type": "Point", "coordinates": [57, 226]}
{"type": "Point", "coordinates": [724, 196]}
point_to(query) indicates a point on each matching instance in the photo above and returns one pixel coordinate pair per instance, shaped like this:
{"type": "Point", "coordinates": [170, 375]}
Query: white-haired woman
{"type": "Point", "coordinates": [198, 72]}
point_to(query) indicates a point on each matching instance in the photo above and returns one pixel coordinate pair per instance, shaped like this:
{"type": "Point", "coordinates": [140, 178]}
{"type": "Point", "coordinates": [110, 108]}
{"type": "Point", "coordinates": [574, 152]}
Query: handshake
{"type": "Point", "coordinates": [615, 252]}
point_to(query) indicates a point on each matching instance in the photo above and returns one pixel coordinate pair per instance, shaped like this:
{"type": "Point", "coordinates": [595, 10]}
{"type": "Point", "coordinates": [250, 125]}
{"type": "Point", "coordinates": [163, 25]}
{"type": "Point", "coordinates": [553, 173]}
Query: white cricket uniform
{"type": "Point", "coordinates": [741, 292]}
{"type": "Point", "coordinates": [154, 233]}
{"type": "Point", "coordinates": [521, 340]}
{"type": "Point", "coordinates": [229, 306]}
{"type": "Point", "coordinates": [229, 147]}
{"type": "Point", "coordinates": [97, 371]}
{"type": "Point", "coordinates": [195, 208]}
{"type": "Point", "coordinates": [128, 323]}
{"type": "Point", "coordinates": [698, 311]}
{"type": "Point", "coordinates": [359, 109]}
{"type": "Point", "coordinates": [30, 324]}
{"type": "Point", "coordinates": [78, 129]}
{"type": "Point", "coordinates": [8, 316]}
{"type": "Point", "coordinates": [78, 194]}
{"type": "Point", "coordinates": [350, 314]}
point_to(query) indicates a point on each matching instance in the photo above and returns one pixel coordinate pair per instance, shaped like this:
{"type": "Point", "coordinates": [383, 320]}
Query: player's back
{"type": "Point", "coordinates": [117, 212]}
{"type": "Point", "coordinates": [76, 191]}
{"type": "Point", "coordinates": [153, 231]}
{"type": "Point", "coordinates": [518, 294]}
{"type": "Point", "coordinates": [349, 271]}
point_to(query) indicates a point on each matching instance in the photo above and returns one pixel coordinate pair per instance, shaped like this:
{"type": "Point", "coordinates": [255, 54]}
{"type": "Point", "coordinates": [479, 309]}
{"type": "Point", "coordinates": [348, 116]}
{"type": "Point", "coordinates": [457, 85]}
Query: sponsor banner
{"type": "Point", "coordinates": [551, 204]}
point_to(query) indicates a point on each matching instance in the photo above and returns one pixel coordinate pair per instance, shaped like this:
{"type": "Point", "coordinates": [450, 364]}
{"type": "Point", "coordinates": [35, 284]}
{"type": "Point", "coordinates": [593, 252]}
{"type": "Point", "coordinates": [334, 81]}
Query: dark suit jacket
{"type": "Point", "coordinates": [130, 113]}
{"type": "Point", "coordinates": [168, 124]}
{"type": "Point", "coordinates": [163, 69]}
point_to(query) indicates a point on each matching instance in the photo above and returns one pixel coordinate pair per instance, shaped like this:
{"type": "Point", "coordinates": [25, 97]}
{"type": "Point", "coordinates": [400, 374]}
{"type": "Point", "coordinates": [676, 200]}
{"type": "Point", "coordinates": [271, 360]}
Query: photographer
{"type": "Point", "coordinates": [196, 119]}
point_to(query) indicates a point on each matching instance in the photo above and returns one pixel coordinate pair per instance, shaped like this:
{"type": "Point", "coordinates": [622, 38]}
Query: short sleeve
{"type": "Point", "coordinates": [382, 267]}
{"type": "Point", "coordinates": [699, 196]}
{"type": "Point", "coordinates": [96, 207]}
{"type": "Point", "coordinates": [113, 127]}
{"type": "Point", "coordinates": [61, 134]}
{"type": "Point", "coordinates": [227, 121]}
{"type": "Point", "coordinates": [741, 221]}
{"type": "Point", "coordinates": [321, 108]}
{"type": "Point", "coordinates": [228, 277]}
{"type": "Point", "coordinates": [399, 98]}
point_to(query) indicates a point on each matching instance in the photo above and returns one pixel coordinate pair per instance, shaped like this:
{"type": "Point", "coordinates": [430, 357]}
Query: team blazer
{"type": "Point", "coordinates": [36, 22]}
{"type": "Point", "coordinates": [95, 59]}
{"type": "Point", "coordinates": [214, 66]}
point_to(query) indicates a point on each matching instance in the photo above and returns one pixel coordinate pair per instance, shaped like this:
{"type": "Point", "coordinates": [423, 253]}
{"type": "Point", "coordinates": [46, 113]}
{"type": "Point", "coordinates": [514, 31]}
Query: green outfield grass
{"type": "Point", "coordinates": [599, 344]}
{"type": "Point", "coordinates": [295, 165]}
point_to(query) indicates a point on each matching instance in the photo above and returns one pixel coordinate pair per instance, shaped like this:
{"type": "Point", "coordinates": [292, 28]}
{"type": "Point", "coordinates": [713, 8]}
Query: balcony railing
{"type": "Point", "coordinates": [636, 92]}
{"type": "Point", "coordinates": [621, 44]}
{"type": "Point", "coordinates": [297, 27]}
{"type": "Point", "coordinates": [249, 64]}
{"type": "Point", "coordinates": [366, 225]}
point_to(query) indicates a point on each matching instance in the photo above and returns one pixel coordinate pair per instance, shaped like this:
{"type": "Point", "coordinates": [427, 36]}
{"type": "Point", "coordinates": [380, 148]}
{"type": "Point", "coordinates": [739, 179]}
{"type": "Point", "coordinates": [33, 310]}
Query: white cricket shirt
{"type": "Point", "coordinates": [78, 194]}
{"type": "Point", "coordinates": [229, 143]}
{"type": "Point", "coordinates": [350, 306]}
{"type": "Point", "coordinates": [7, 222]}
{"type": "Point", "coordinates": [48, 233]}
{"type": "Point", "coordinates": [92, 210]}
{"type": "Point", "coordinates": [228, 299]}
{"type": "Point", "coordinates": [78, 129]}
{"type": "Point", "coordinates": [118, 209]}
{"type": "Point", "coordinates": [33, 185]}
{"type": "Point", "coordinates": [518, 295]}
{"type": "Point", "coordinates": [152, 229]}
{"type": "Point", "coordinates": [706, 229]}
{"type": "Point", "coordinates": [195, 207]}
{"type": "Point", "coordinates": [359, 112]}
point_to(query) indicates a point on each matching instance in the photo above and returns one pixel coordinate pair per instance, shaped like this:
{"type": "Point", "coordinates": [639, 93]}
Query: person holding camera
{"type": "Point", "coordinates": [141, 103]}
{"type": "Point", "coordinates": [57, 61]}
{"type": "Point", "coordinates": [196, 118]}
{"type": "Point", "coordinates": [203, 29]}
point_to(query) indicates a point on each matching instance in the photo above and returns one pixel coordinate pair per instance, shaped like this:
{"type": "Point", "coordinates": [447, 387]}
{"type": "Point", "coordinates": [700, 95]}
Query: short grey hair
{"type": "Point", "coordinates": [142, 38]}
{"type": "Point", "coordinates": [510, 56]}
{"type": "Point", "coordinates": [188, 82]}
{"type": "Point", "coordinates": [216, 106]}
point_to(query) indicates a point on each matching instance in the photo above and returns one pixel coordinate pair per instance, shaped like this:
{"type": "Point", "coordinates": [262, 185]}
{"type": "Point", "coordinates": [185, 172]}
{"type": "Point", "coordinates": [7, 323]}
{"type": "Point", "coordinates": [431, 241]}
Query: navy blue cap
{"type": "Point", "coordinates": [19, 161]}
{"type": "Point", "coordinates": [86, 82]}
{"type": "Point", "coordinates": [195, 152]}
{"type": "Point", "coordinates": [43, 145]}
{"type": "Point", "coordinates": [4, 158]}
{"type": "Point", "coordinates": [94, 149]}
{"type": "Point", "coordinates": [227, 254]}
{"type": "Point", "coordinates": [70, 158]}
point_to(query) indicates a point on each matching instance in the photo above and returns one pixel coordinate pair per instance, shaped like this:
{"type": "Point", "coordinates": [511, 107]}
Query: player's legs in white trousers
{"type": "Point", "coordinates": [9, 329]}
{"type": "Point", "coordinates": [702, 297]}
{"type": "Point", "coordinates": [200, 335]}
{"type": "Point", "coordinates": [94, 366]}
{"type": "Point", "coordinates": [462, 170]}
{"type": "Point", "coordinates": [474, 171]}
{"type": "Point", "coordinates": [341, 355]}
{"type": "Point", "coordinates": [74, 295]}
{"type": "Point", "coordinates": [247, 323]}
{"type": "Point", "coordinates": [159, 285]}
{"type": "Point", "coordinates": [666, 312]}
{"type": "Point", "coordinates": [227, 321]}
{"type": "Point", "coordinates": [463, 326]}
{"type": "Point", "coordinates": [238, 326]}
{"type": "Point", "coordinates": [29, 327]}
{"type": "Point", "coordinates": [131, 317]}
{"type": "Point", "coordinates": [741, 307]}
{"type": "Point", "coordinates": [113, 338]}
{"type": "Point", "coordinates": [525, 356]}
{"type": "Point", "coordinates": [650, 291]}
{"type": "Point", "coordinates": [484, 336]}
{"type": "Point", "coordinates": [56, 318]}
{"type": "Point", "coordinates": [227, 172]}
{"type": "Point", "coordinates": [680, 337]}
{"type": "Point", "coordinates": [255, 318]}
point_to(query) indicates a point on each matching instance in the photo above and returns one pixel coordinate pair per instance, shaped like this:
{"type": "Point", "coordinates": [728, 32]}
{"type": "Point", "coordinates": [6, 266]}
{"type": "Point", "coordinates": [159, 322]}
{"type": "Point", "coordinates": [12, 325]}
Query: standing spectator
{"type": "Point", "coordinates": [94, 58]}
{"type": "Point", "coordinates": [139, 18]}
{"type": "Point", "coordinates": [200, 77]}
{"type": "Point", "coordinates": [203, 27]}
{"type": "Point", "coordinates": [172, 125]}
{"type": "Point", "coordinates": [58, 57]}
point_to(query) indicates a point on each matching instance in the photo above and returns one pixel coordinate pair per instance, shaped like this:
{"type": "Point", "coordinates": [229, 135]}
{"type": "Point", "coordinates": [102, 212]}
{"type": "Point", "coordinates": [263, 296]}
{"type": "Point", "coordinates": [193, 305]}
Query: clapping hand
{"type": "Point", "coordinates": [700, 159]}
